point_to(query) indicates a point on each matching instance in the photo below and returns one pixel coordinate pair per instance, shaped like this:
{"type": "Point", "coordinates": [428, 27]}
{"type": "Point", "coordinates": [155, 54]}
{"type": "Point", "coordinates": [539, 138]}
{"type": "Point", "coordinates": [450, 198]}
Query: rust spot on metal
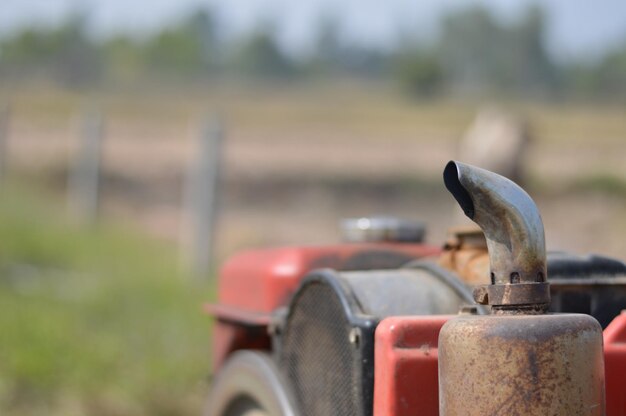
{"type": "Point", "coordinates": [481, 296]}
{"type": "Point", "coordinates": [522, 296]}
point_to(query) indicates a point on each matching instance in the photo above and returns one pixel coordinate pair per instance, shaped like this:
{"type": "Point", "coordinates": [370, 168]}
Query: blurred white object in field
{"type": "Point", "coordinates": [497, 140]}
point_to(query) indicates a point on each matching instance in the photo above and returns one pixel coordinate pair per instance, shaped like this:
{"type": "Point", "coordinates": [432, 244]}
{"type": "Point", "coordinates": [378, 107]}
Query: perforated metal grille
{"type": "Point", "coordinates": [318, 355]}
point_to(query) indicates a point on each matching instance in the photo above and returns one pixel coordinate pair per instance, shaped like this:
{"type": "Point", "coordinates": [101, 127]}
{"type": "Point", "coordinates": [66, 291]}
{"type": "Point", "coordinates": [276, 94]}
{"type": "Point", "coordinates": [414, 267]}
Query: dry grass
{"type": "Point", "coordinates": [313, 137]}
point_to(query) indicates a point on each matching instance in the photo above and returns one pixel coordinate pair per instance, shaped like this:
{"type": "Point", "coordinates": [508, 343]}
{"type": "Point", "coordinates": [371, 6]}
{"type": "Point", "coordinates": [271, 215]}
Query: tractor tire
{"type": "Point", "coordinates": [250, 384]}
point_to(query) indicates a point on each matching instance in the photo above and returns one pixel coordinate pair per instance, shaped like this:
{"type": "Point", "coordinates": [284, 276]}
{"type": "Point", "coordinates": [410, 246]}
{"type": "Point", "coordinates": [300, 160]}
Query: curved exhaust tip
{"type": "Point", "coordinates": [451, 178]}
{"type": "Point", "coordinates": [514, 232]}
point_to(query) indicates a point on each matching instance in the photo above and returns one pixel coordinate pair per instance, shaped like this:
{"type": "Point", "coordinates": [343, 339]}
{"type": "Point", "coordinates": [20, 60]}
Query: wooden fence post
{"type": "Point", "coordinates": [5, 116]}
{"type": "Point", "coordinates": [201, 197]}
{"type": "Point", "coordinates": [84, 173]}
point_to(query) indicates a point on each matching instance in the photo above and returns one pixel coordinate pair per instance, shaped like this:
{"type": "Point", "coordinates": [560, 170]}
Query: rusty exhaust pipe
{"type": "Point", "coordinates": [519, 360]}
{"type": "Point", "coordinates": [513, 228]}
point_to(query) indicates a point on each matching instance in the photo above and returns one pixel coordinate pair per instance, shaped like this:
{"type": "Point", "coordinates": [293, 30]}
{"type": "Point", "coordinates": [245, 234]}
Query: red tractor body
{"type": "Point", "coordinates": [253, 284]}
{"type": "Point", "coordinates": [373, 328]}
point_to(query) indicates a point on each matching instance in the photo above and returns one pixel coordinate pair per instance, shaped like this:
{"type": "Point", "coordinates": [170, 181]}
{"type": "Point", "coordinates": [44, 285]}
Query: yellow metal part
{"type": "Point", "coordinates": [465, 253]}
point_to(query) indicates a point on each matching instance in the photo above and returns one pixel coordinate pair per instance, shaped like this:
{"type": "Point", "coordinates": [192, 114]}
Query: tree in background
{"type": "Point", "coordinates": [531, 66]}
{"type": "Point", "coordinates": [188, 48]}
{"type": "Point", "coordinates": [124, 59]}
{"type": "Point", "coordinates": [78, 61]}
{"type": "Point", "coordinates": [611, 75]}
{"type": "Point", "coordinates": [65, 54]}
{"type": "Point", "coordinates": [327, 48]}
{"type": "Point", "coordinates": [477, 53]}
{"type": "Point", "coordinates": [474, 53]}
{"type": "Point", "coordinates": [469, 48]}
{"type": "Point", "coordinates": [259, 56]}
{"type": "Point", "coordinates": [333, 56]}
{"type": "Point", "coordinates": [419, 72]}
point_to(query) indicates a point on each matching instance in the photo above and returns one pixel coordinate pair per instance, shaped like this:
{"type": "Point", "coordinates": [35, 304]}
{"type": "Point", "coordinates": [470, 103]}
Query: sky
{"type": "Point", "coordinates": [578, 29]}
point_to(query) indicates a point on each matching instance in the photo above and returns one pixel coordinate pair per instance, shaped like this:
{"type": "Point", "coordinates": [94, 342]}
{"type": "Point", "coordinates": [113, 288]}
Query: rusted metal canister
{"type": "Point", "coordinates": [510, 365]}
{"type": "Point", "coordinates": [519, 360]}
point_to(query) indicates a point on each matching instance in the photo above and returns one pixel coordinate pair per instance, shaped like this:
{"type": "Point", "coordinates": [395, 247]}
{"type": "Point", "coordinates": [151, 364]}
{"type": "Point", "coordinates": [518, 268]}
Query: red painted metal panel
{"type": "Point", "coordinates": [405, 380]}
{"type": "Point", "coordinates": [254, 283]}
{"type": "Point", "coordinates": [262, 280]}
{"type": "Point", "coordinates": [615, 366]}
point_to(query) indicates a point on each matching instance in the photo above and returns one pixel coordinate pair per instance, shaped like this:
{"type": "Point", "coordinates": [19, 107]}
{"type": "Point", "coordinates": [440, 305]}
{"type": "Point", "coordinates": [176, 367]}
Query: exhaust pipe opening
{"type": "Point", "coordinates": [451, 179]}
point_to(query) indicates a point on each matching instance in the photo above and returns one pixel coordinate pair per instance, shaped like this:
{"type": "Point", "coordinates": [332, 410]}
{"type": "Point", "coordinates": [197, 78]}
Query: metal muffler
{"type": "Point", "coordinates": [519, 360]}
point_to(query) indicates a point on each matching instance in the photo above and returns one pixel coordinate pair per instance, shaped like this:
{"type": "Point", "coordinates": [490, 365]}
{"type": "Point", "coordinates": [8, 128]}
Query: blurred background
{"type": "Point", "coordinates": [141, 143]}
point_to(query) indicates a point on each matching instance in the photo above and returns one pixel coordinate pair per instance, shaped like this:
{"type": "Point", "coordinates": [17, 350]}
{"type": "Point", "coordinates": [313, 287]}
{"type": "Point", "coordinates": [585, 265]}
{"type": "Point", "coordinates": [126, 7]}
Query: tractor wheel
{"type": "Point", "coordinates": [249, 384]}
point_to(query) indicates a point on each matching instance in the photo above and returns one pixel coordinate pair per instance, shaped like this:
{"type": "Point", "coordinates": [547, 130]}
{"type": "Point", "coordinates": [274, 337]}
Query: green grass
{"type": "Point", "coordinates": [95, 321]}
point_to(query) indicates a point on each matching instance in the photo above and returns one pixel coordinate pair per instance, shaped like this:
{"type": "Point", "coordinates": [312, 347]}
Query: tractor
{"type": "Point", "coordinates": [386, 325]}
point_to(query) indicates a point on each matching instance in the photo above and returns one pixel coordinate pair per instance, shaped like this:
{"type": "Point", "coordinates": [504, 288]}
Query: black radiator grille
{"type": "Point", "coordinates": [318, 356]}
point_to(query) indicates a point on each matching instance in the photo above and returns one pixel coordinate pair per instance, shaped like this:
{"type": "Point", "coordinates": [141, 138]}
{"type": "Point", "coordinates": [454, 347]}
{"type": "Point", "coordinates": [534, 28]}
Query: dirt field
{"type": "Point", "coordinates": [296, 160]}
